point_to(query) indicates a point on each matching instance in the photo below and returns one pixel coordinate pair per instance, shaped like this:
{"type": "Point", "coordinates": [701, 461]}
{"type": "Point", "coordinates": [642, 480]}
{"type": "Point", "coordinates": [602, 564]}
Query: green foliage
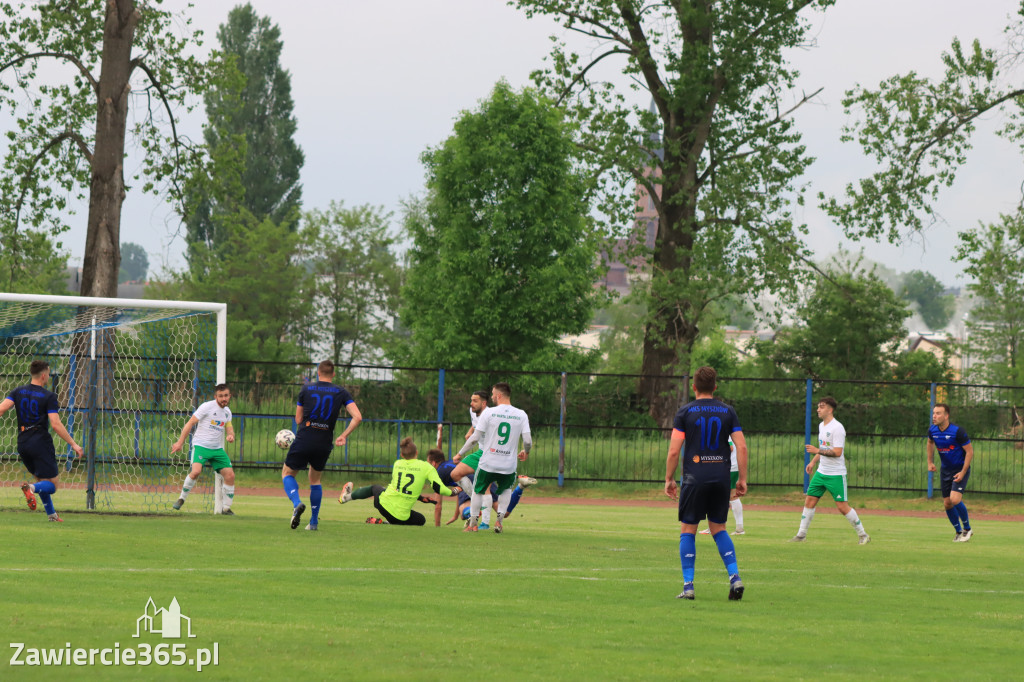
{"type": "Point", "coordinates": [925, 291]}
{"type": "Point", "coordinates": [714, 351]}
{"type": "Point", "coordinates": [50, 145]}
{"type": "Point", "coordinates": [919, 130]}
{"type": "Point", "coordinates": [356, 280]}
{"type": "Point", "coordinates": [250, 117]}
{"type": "Point", "coordinates": [850, 329]}
{"type": "Point", "coordinates": [994, 257]}
{"type": "Point", "coordinates": [921, 365]}
{"type": "Point", "coordinates": [134, 263]}
{"type": "Point", "coordinates": [503, 258]}
{"type": "Point", "coordinates": [716, 153]}
{"type": "Point", "coordinates": [31, 262]}
{"type": "Point", "coordinates": [255, 271]}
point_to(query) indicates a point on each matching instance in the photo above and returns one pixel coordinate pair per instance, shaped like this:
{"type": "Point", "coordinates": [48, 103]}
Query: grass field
{"type": "Point", "coordinates": [568, 592]}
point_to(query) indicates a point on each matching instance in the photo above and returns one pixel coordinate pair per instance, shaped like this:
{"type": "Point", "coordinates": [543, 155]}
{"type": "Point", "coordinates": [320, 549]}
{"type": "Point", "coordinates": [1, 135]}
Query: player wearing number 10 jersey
{"type": "Point", "coordinates": [316, 414]}
{"type": "Point", "coordinates": [704, 426]}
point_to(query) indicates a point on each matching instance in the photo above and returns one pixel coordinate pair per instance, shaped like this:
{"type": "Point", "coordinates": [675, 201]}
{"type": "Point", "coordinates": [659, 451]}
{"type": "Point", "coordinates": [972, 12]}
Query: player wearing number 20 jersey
{"type": "Point", "coordinates": [321, 402]}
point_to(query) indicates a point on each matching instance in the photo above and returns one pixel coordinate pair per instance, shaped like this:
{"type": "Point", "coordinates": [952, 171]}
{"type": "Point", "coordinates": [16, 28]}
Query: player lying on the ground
{"type": "Point", "coordinates": [36, 408]}
{"type": "Point", "coordinates": [409, 477]}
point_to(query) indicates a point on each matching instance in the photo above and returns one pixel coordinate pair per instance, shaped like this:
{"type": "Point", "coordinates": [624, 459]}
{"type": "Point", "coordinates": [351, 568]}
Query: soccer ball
{"type": "Point", "coordinates": [284, 439]}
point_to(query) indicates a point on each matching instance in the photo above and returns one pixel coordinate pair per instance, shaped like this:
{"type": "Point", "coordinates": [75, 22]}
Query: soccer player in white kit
{"type": "Point", "coordinates": [498, 430]}
{"type": "Point", "coordinates": [212, 420]}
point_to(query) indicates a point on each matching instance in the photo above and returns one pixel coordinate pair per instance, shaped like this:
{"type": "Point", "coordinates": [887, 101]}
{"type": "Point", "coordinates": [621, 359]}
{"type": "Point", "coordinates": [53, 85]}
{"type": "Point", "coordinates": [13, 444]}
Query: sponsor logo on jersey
{"type": "Point", "coordinates": [318, 425]}
{"type": "Point", "coordinates": [696, 459]}
{"type": "Point", "coordinates": [217, 422]}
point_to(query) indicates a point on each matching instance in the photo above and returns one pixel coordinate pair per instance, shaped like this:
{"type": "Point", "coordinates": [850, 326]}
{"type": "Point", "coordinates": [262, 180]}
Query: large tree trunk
{"type": "Point", "coordinates": [669, 337]}
{"type": "Point", "coordinates": [106, 192]}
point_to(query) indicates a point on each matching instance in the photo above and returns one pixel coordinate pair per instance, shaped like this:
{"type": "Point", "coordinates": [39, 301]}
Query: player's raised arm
{"type": "Point", "coordinates": [473, 439]}
{"type": "Point", "coordinates": [357, 417]}
{"type": "Point", "coordinates": [58, 428]}
{"type": "Point", "coordinates": [193, 420]}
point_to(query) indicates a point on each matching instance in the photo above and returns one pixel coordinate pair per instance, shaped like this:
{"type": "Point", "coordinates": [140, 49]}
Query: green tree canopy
{"type": "Point", "coordinates": [849, 331]}
{"type": "Point", "coordinates": [71, 123]}
{"type": "Point", "coordinates": [994, 257]}
{"type": "Point", "coordinates": [253, 114]}
{"type": "Point", "coordinates": [919, 131]}
{"type": "Point", "coordinates": [503, 261]}
{"type": "Point", "coordinates": [356, 280]}
{"type": "Point", "coordinates": [134, 263]}
{"type": "Point", "coordinates": [717, 153]}
{"type": "Point", "coordinates": [925, 292]}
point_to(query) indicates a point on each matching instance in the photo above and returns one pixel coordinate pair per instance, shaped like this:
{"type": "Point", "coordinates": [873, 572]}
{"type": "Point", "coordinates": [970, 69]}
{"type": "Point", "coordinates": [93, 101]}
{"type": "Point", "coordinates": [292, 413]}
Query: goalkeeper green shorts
{"type": "Point", "coordinates": [218, 459]}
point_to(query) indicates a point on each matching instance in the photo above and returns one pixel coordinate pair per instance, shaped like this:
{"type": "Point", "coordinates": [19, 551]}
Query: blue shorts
{"type": "Point", "coordinates": [39, 456]}
{"type": "Point", "coordinates": [703, 500]}
{"type": "Point", "coordinates": [303, 454]}
{"type": "Point", "coordinates": [949, 485]}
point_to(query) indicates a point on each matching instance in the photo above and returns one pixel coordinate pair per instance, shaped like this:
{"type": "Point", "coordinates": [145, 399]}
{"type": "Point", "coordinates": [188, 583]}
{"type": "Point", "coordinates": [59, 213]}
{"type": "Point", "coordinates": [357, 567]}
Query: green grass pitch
{"type": "Point", "coordinates": [568, 592]}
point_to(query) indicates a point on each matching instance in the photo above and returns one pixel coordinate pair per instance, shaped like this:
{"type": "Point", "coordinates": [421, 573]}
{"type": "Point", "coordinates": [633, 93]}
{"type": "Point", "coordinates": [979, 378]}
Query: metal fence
{"type": "Point", "coordinates": [595, 427]}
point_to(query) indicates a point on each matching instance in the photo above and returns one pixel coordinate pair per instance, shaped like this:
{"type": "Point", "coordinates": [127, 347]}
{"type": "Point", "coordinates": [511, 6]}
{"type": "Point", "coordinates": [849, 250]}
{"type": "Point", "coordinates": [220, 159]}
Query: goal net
{"type": "Point", "coordinates": [128, 374]}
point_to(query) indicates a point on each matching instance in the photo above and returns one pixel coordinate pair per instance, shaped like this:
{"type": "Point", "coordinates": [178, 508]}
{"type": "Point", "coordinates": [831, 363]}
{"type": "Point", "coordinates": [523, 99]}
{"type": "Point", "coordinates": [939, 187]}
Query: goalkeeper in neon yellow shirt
{"type": "Point", "coordinates": [408, 477]}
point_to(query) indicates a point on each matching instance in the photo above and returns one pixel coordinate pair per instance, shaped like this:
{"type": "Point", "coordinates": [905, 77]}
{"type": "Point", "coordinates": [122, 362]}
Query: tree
{"type": "Point", "coordinates": [850, 331]}
{"type": "Point", "coordinates": [29, 263]}
{"type": "Point", "coordinates": [356, 280]}
{"type": "Point", "coordinates": [717, 153]}
{"type": "Point", "coordinates": [919, 130]}
{"type": "Point", "coordinates": [252, 112]}
{"type": "Point", "coordinates": [72, 123]}
{"type": "Point", "coordinates": [255, 271]}
{"type": "Point", "coordinates": [502, 261]}
{"type": "Point", "coordinates": [925, 291]}
{"type": "Point", "coordinates": [134, 263]}
{"type": "Point", "coordinates": [994, 255]}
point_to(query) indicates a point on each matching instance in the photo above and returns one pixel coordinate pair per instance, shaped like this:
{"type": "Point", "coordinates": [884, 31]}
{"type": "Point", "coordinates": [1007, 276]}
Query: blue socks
{"type": "Point", "coordinates": [516, 494]}
{"type": "Point", "coordinates": [727, 551]}
{"type": "Point", "coordinates": [954, 517]}
{"type": "Point", "coordinates": [316, 493]}
{"type": "Point", "coordinates": [961, 511]}
{"type": "Point", "coordinates": [291, 489]}
{"type": "Point", "coordinates": [688, 555]}
{"type": "Point", "coordinates": [44, 489]}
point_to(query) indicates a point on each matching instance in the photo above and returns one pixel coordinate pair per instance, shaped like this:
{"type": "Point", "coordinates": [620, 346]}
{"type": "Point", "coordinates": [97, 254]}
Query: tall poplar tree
{"type": "Point", "coordinates": [251, 119]}
{"type": "Point", "coordinates": [716, 152]}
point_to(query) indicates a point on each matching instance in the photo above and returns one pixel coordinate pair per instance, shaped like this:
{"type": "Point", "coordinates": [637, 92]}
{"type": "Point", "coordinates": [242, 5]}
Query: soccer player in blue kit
{"type": "Point", "coordinates": [704, 427]}
{"type": "Point", "coordinates": [316, 414]}
{"type": "Point", "coordinates": [956, 453]}
{"type": "Point", "coordinates": [37, 408]}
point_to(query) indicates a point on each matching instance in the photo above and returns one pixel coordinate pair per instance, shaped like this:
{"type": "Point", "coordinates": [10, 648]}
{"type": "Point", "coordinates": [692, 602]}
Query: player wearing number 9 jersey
{"type": "Point", "coordinates": [316, 414]}
{"type": "Point", "coordinates": [36, 408]}
{"type": "Point", "coordinates": [408, 478]}
{"type": "Point", "coordinates": [704, 426]}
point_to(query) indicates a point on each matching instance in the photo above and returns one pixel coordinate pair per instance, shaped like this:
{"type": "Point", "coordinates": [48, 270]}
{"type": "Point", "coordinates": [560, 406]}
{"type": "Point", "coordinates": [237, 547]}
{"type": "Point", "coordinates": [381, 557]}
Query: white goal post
{"type": "Point", "coordinates": [128, 374]}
